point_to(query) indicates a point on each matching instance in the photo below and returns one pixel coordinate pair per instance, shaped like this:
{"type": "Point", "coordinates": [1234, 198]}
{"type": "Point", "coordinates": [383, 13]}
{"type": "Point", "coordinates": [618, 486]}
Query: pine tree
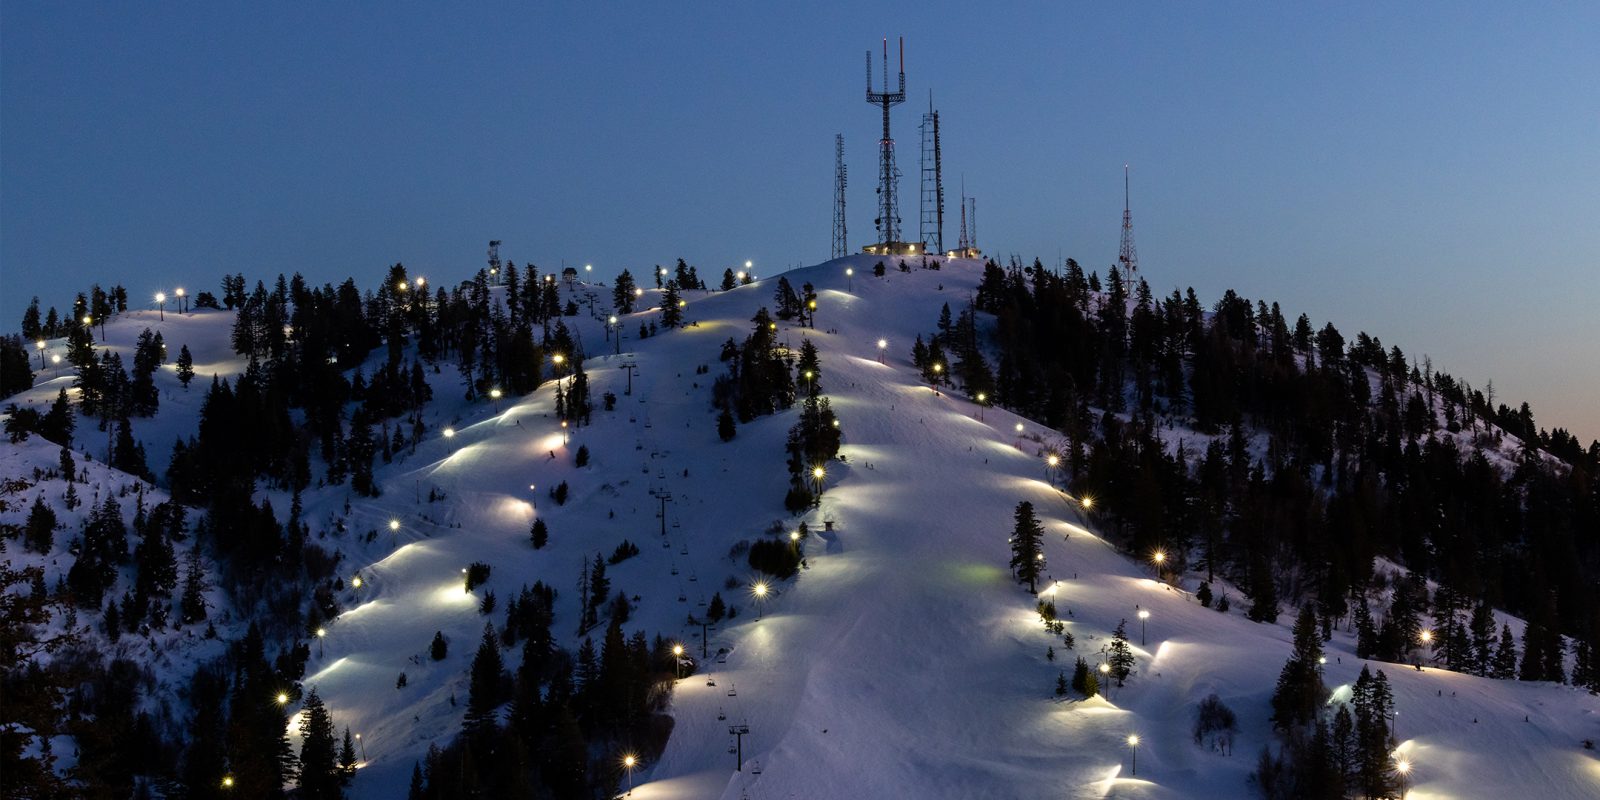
{"type": "Point", "coordinates": [1027, 553]}
{"type": "Point", "coordinates": [1505, 658]}
{"type": "Point", "coordinates": [438, 649]}
{"type": "Point", "coordinates": [671, 306]}
{"type": "Point", "coordinates": [726, 429]}
{"type": "Point", "coordinates": [320, 776]}
{"type": "Point", "coordinates": [485, 692]}
{"type": "Point", "coordinates": [1061, 684]}
{"type": "Point", "coordinates": [1300, 690]}
{"type": "Point", "coordinates": [540, 533]}
{"type": "Point", "coordinates": [1080, 677]}
{"type": "Point", "coordinates": [1120, 656]}
{"type": "Point", "coordinates": [185, 366]}
{"type": "Point", "coordinates": [347, 755]}
{"type": "Point", "coordinates": [39, 533]}
{"type": "Point", "coordinates": [193, 604]}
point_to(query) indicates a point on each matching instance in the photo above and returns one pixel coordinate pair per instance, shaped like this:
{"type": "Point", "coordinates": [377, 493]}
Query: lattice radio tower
{"type": "Point", "coordinates": [963, 243]}
{"type": "Point", "coordinates": [840, 249]}
{"type": "Point", "coordinates": [932, 183]}
{"type": "Point", "coordinates": [1127, 256]}
{"type": "Point", "coordinates": [494, 262]}
{"type": "Point", "coordinates": [888, 177]}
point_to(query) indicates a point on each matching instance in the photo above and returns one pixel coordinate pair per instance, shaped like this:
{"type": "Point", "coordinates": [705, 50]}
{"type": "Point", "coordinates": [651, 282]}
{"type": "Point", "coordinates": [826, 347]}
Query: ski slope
{"type": "Point", "coordinates": [904, 661]}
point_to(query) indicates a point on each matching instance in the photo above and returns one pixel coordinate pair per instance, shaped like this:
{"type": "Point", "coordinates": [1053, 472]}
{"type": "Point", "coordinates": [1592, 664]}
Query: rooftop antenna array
{"type": "Point", "coordinates": [1127, 256]}
{"type": "Point", "coordinates": [840, 249]}
{"type": "Point", "coordinates": [888, 221]}
{"type": "Point", "coordinates": [932, 183]}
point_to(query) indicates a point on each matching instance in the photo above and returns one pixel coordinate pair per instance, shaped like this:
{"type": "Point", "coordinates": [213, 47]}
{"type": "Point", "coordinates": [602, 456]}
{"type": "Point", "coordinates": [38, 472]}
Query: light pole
{"type": "Point", "coordinates": [983, 398]}
{"type": "Point", "coordinates": [677, 659]}
{"type": "Point", "coordinates": [40, 345]}
{"type": "Point", "coordinates": [1144, 615]}
{"type": "Point", "coordinates": [494, 394]}
{"type": "Point", "coordinates": [849, 274]}
{"type": "Point", "coordinates": [1133, 751]}
{"type": "Point", "coordinates": [1051, 462]}
{"type": "Point", "coordinates": [363, 746]}
{"type": "Point", "coordinates": [817, 474]}
{"type": "Point", "coordinates": [1105, 678]}
{"type": "Point", "coordinates": [55, 361]}
{"type": "Point", "coordinates": [161, 305]}
{"type": "Point", "coordinates": [760, 591]}
{"type": "Point", "coordinates": [183, 302]}
{"type": "Point", "coordinates": [394, 526]}
{"type": "Point", "coordinates": [1404, 770]}
{"type": "Point", "coordinates": [1159, 558]}
{"type": "Point", "coordinates": [627, 762]}
{"type": "Point", "coordinates": [883, 344]}
{"type": "Point", "coordinates": [1019, 436]}
{"type": "Point", "coordinates": [322, 633]}
{"type": "Point", "coordinates": [563, 432]}
{"type": "Point", "coordinates": [938, 371]}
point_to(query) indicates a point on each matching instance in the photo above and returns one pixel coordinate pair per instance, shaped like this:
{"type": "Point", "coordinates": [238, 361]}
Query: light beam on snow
{"type": "Point", "coordinates": [453, 595]}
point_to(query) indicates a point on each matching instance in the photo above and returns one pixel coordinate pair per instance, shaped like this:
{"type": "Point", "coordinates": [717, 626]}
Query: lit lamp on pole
{"type": "Point", "coordinates": [494, 394]}
{"type": "Point", "coordinates": [40, 345]}
{"type": "Point", "coordinates": [182, 299]}
{"type": "Point", "coordinates": [1133, 752]}
{"type": "Point", "coordinates": [817, 475]}
{"type": "Point", "coordinates": [983, 399]}
{"type": "Point", "coordinates": [850, 278]}
{"type": "Point", "coordinates": [677, 659]}
{"type": "Point", "coordinates": [1052, 461]}
{"type": "Point", "coordinates": [1144, 616]}
{"type": "Point", "coordinates": [363, 746]}
{"type": "Point", "coordinates": [1403, 769]}
{"type": "Point", "coordinates": [564, 430]}
{"type": "Point", "coordinates": [760, 592]}
{"type": "Point", "coordinates": [1019, 436]}
{"type": "Point", "coordinates": [394, 526]}
{"type": "Point", "coordinates": [227, 781]}
{"type": "Point", "coordinates": [628, 762]}
{"type": "Point", "coordinates": [883, 344]}
{"type": "Point", "coordinates": [1105, 678]}
{"type": "Point", "coordinates": [322, 633]}
{"type": "Point", "coordinates": [1159, 558]}
{"type": "Point", "coordinates": [161, 305]}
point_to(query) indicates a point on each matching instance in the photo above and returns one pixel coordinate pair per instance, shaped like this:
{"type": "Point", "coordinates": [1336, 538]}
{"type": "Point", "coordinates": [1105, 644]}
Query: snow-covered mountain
{"type": "Point", "coordinates": [902, 662]}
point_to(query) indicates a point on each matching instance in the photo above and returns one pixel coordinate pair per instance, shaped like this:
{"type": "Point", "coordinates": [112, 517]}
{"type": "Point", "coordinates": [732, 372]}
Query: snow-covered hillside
{"type": "Point", "coordinates": [903, 662]}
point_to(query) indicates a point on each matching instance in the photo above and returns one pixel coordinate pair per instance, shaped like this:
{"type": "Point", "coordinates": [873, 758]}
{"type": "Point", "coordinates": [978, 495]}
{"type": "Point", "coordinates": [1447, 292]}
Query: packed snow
{"type": "Point", "coordinates": [902, 662]}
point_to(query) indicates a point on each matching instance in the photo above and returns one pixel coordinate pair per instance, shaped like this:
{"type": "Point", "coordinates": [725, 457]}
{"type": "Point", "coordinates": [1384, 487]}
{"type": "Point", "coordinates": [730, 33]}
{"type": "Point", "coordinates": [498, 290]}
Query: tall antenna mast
{"type": "Point", "coordinates": [840, 249]}
{"type": "Point", "coordinates": [972, 222]}
{"type": "Point", "coordinates": [932, 183]}
{"type": "Point", "coordinates": [888, 221]}
{"type": "Point", "coordinates": [964, 243]}
{"type": "Point", "coordinates": [494, 262]}
{"type": "Point", "coordinates": [1127, 256]}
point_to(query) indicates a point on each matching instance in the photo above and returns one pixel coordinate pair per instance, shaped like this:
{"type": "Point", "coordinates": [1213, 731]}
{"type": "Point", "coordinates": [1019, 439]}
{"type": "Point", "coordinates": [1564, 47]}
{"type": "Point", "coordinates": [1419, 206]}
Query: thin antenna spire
{"type": "Point", "coordinates": [1127, 255]}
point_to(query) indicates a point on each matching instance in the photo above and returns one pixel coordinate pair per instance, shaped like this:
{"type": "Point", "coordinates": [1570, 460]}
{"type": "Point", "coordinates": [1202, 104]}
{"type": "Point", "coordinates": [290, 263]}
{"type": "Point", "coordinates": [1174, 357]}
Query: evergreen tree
{"type": "Point", "coordinates": [485, 693]}
{"type": "Point", "coordinates": [671, 306]}
{"type": "Point", "coordinates": [1300, 689]}
{"type": "Point", "coordinates": [185, 366]}
{"type": "Point", "coordinates": [1505, 658]}
{"type": "Point", "coordinates": [1120, 655]}
{"type": "Point", "coordinates": [438, 649]}
{"type": "Point", "coordinates": [726, 429]}
{"type": "Point", "coordinates": [347, 756]}
{"type": "Point", "coordinates": [192, 606]}
{"type": "Point", "coordinates": [320, 777]}
{"type": "Point", "coordinates": [39, 532]}
{"type": "Point", "coordinates": [1027, 552]}
{"type": "Point", "coordinates": [1080, 677]}
{"type": "Point", "coordinates": [540, 533]}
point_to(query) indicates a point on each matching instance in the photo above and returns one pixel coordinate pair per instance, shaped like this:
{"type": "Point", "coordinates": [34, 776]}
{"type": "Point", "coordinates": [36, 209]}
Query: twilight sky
{"type": "Point", "coordinates": [1429, 174]}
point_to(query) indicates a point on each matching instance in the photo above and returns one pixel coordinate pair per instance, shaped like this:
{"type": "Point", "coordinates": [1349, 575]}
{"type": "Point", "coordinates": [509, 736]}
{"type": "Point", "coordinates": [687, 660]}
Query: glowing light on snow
{"type": "Point", "coordinates": [282, 698]}
{"type": "Point", "coordinates": [227, 782]}
{"type": "Point", "coordinates": [451, 595]}
{"type": "Point", "coordinates": [394, 525]}
{"type": "Point", "coordinates": [449, 433]}
{"type": "Point", "coordinates": [356, 581]}
{"type": "Point", "coordinates": [1133, 740]}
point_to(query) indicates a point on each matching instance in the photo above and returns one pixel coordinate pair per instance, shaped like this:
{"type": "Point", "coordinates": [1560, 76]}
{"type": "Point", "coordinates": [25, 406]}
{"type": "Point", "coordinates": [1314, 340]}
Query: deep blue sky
{"type": "Point", "coordinates": [1428, 174]}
